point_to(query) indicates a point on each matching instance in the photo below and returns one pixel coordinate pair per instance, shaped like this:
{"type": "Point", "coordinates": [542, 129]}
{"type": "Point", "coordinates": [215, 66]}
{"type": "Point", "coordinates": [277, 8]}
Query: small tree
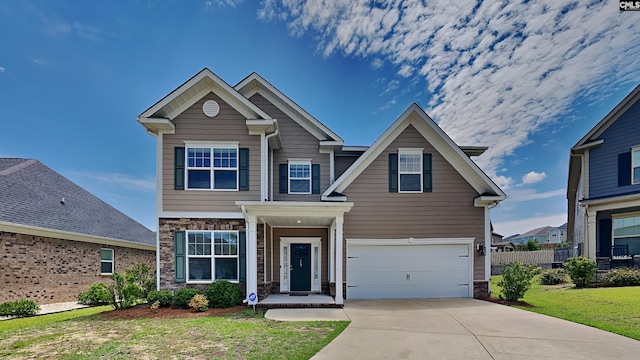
{"type": "Point", "coordinates": [581, 270]}
{"type": "Point", "coordinates": [516, 280]}
{"type": "Point", "coordinates": [533, 245]}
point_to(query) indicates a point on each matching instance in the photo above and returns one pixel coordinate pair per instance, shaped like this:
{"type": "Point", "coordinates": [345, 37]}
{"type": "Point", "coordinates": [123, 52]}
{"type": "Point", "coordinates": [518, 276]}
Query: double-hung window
{"type": "Point", "coordinates": [410, 170]}
{"type": "Point", "coordinates": [212, 255]}
{"type": "Point", "coordinates": [106, 261]}
{"type": "Point", "coordinates": [212, 167]}
{"type": "Point", "coordinates": [626, 231]}
{"type": "Point", "coordinates": [635, 165]}
{"type": "Point", "coordinates": [299, 177]}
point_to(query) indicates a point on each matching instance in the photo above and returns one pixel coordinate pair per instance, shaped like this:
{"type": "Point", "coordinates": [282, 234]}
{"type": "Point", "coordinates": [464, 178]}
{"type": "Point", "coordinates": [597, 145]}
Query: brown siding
{"type": "Point", "coordinates": [301, 232]}
{"type": "Point", "coordinates": [51, 270]}
{"type": "Point", "coordinates": [447, 212]}
{"type": "Point", "coordinates": [193, 125]}
{"type": "Point", "coordinates": [297, 143]}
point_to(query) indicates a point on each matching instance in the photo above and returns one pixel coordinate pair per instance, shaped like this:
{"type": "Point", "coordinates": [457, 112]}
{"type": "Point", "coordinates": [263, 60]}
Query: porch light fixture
{"type": "Point", "coordinates": [482, 251]}
{"type": "Point", "coordinates": [298, 221]}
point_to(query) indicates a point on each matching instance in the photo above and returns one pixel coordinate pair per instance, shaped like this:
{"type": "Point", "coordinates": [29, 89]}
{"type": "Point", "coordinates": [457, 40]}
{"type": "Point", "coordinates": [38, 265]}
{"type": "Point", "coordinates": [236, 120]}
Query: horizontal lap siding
{"type": "Point", "coordinates": [447, 212]}
{"type": "Point", "coordinates": [297, 143]}
{"type": "Point", "coordinates": [193, 125]}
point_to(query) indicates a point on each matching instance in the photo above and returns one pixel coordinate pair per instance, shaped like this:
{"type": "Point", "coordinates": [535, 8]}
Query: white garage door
{"type": "Point", "coordinates": [386, 271]}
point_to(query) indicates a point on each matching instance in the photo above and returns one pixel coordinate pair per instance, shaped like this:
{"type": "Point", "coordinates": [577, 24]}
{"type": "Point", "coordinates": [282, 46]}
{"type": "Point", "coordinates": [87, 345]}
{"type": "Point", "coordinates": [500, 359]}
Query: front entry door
{"type": "Point", "coordinates": [300, 267]}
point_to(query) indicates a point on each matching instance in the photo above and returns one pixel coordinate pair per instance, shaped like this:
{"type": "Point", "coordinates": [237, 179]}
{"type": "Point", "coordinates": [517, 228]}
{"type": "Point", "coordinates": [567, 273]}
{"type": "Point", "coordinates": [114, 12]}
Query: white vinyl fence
{"type": "Point", "coordinates": [525, 257]}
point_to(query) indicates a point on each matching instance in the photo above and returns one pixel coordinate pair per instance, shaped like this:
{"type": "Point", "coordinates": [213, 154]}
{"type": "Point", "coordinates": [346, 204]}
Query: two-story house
{"type": "Point", "coordinates": [255, 190]}
{"type": "Point", "coordinates": [603, 189]}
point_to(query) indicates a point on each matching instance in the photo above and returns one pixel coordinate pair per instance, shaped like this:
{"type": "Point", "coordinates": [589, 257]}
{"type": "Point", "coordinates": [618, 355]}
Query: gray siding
{"type": "Point", "coordinates": [193, 125]}
{"type": "Point", "coordinates": [603, 160]}
{"type": "Point", "coordinates": [447, 212]}
{"type": "Point", "coordinates": [297, 143]}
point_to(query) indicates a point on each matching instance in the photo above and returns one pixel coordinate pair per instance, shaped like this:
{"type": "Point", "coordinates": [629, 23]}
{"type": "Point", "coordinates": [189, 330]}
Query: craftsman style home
{"type": "Point", "coordinates": [604, 187]}
{"type": "Point", "coordinates": [255, 190]}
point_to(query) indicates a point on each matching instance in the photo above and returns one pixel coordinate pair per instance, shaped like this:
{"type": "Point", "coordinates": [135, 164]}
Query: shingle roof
{"type": "Point", "coordinates": [538, 231]}
{"type": "Point", "coordinates": [34, 195]}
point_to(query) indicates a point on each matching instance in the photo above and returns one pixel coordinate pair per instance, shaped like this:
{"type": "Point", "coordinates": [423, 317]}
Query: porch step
{"type": "Point", "coordinates": [283, 301]}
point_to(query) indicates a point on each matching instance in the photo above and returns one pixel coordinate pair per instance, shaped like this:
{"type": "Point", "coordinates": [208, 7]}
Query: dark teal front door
{"type": "Point", "coordinates": [300, 267]}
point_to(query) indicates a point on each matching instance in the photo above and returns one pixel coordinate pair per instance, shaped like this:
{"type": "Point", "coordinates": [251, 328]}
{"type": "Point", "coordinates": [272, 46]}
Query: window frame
{"type": "Point", "coordinates": [635, 165]}
{"type": "Point", "coordinates": [622, 216]}
{"type": "Point", "coordinates": [289, 178]}
{"type": "Point", "coordinates": [212, 256]}
{"type": "Point", "coordinates": [112, 261]}
{"type": "Point", "coordinates": [413, 152]}
{"type": "Point", "coordinates": [212, 147]}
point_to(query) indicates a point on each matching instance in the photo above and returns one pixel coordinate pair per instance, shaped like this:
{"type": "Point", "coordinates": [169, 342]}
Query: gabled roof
{"type": "Point", "coordinates": [415, 116]}
{"type": "Point", "coordinates": [32, 196]}
{"type": "Point", "coordinates": [255, 83]}
{"type": "Point", "coordinates": [536, 232]}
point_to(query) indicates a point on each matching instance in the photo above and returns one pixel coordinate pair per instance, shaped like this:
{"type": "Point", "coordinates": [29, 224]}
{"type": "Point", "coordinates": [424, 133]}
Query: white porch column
{"type": "Point", "coordinates": [252, 260]}
{"type": "Point", "coordinates": [332, 253]}
{"type": "Point", "coordinates": [487, 245]}
{"type": "Point", "coordinates": [339, 249]}
{"type": "Point", "coordinates": [264, 147]}
{"type": "Point", "coordinates": [590, 243]}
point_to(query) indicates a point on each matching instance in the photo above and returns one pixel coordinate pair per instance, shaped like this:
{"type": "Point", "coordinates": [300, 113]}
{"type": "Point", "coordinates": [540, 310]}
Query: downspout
{"type": "Point", "coordinates": [266, 150]}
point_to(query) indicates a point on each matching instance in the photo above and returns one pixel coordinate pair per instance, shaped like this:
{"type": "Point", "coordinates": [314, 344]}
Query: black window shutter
{"type": "Point", "coordinates": [178, 173]}
{"type": "Point", "coordinates": [604, 237]}
{"type": "Point", "coordinates": [624, 169]}
{"type": "Point", "coordinates": [393, 172]}
{"type": "Point", "coordinates": [179, 256]}
{"type": "Point", "coordinates": [284, 178]}
{"type": "Point", "coordinates": [315, 179]}
{"type": "Point", "coordinates": [427, 183]}
{"type": "Point", "coordinates": [242, 258]}
{"type": "Point", "coordinates": [243, 169]}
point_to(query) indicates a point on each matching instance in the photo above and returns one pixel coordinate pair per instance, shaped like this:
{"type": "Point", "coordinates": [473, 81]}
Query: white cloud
{"type": "Point", "coordinates": [508, 228]}
{"type": "Point", "coordinates": [509, 68]}
{"type": "Point", "coordinates": [527, 195]}
{"type": "Point", "coordinates": [2, 69]}
{"type": "Point", "coordinates": [533, 177]}
{"type": "Point", "coordinates": [90, 32]}
{"type": "Point", "coordinates": [39, 62]}
{"type": "Point", "coordinates": [121, 180]}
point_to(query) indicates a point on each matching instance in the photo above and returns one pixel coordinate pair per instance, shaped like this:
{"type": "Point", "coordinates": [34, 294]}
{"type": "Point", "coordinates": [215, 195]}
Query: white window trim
{"type": "Point", "coordinates": [633, 166]}
{"type": "Point", "coordinates": [299, 162]}
{"type": "Point", "coordinates": [212, 169]}
{"type": "Point", "coordinates": [285, 244]}
{"type": "Point", "coordinates": [410, 151]}
{"type": "Point", "coordinates": [213, 256]}
{"type": "Point", "coordinates": [112, 261]}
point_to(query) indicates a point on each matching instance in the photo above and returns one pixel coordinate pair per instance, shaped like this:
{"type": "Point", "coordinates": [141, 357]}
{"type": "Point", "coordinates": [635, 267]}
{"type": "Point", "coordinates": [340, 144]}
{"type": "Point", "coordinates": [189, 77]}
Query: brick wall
{"type": "Point", "coordinates": [51, 270]}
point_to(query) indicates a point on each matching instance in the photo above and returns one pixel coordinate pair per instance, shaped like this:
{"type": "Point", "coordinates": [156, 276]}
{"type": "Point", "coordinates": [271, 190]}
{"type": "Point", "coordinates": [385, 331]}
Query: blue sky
{"type": "Point", "coordinates": [526, 79]}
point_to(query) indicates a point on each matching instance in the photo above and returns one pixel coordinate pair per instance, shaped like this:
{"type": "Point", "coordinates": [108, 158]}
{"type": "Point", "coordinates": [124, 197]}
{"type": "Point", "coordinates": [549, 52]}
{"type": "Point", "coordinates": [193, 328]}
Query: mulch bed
{"type": "Point", "coordinates": [143, 311]}
{"type": "Point", "coordinates": [505, 302]}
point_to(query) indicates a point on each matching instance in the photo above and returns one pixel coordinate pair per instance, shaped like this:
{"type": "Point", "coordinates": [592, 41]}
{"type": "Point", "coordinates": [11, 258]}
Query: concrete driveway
{"type": "Point", "coordinates": [467, 329]}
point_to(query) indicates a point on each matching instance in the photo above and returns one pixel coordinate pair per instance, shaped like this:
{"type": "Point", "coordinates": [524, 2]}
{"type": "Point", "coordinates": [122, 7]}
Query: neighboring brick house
{"type": "Point", "coordinates": [255, 190]}
{"type": "Point", "coordinates": [56, 239]}
{"type": "Point", "coordinates": [603, 188]}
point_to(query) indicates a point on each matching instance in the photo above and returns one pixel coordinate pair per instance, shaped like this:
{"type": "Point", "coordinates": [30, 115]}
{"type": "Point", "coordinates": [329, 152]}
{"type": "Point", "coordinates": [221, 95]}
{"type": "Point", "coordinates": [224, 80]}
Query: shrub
{"type": "Point", "coordinates": [516, 280]}
{"type": "Point", "coordinates": [20, 308]}
{"type": "Point", "coordinates": [142, 276]}
{"type": "Point", "coordinates": [199, 303]}
{"type": "Point", "coordinates": [553, 277]}
{"type": "Point", "coordinates": [223, 294]}
{"type": "Point", "coordinates": [581, 270]}
{"type": "Point", "coordinates": [182, 297]}
{"type": "Point", "coordinates": [622, 277]}
{"type": "Point", "coordinates": [124, 292]}
{"type": "Point", "coordinates": [163, 297]}
{"type": "Point", "coordinates": [98, 294]}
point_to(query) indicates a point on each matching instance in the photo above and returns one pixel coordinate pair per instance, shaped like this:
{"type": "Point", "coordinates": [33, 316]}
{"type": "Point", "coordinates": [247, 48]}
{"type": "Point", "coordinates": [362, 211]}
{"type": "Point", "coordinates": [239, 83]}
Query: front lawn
{"type": "Point", "coordinates": [612, 309]}
{"type": "Point", "coordinates": [243, 335]}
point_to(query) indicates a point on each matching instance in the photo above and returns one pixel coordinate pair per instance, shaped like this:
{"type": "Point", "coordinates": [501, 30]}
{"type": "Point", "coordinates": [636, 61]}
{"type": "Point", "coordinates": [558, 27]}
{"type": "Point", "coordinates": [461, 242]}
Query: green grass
{"type": "Point", "coordinates": [613, 309]}
{"type": "Point", "coordinates": [20, 323]}
{"type": "Point", "coordinates": [242, 335]}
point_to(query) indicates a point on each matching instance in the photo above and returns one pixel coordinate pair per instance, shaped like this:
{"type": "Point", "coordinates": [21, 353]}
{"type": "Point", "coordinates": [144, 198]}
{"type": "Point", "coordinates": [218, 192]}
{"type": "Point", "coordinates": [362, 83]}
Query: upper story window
{"type": "Point", "coordinates": [635, 165]}
{"type": "Point", "coordinates": [410, 170]}
{"type": "Point", "coordinates": [212, 167]}
{"type": "Point", "coordinates": [299, 177]}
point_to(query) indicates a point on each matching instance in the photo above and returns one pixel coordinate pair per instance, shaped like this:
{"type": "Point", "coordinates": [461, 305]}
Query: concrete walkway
{"type": "Point", "coordinates": [467, 329]}
{"type": "Point", "coordinates": [53, 308]}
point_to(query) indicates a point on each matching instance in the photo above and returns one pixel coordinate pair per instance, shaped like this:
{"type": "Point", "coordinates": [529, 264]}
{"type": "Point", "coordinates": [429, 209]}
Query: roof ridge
{"type": "Point", "coordinates": [18, 167]}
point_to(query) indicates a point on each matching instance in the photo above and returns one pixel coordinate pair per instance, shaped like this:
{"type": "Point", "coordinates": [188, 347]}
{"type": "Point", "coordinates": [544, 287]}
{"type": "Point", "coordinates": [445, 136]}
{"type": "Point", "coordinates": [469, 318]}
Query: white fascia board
{"type": "Point", "coordinates": [294, 208]}
{"type": "Point", "coordinates": [588, 145]}
{"type": "Point", "coordinates": [334, 198]}
{"type": "Point", "coordinates": [156, 125]}
{"type": "Point", "coordinates": [482, 201]}
{"type": "Point", "coordinates": [66, 235]}
{"type": "Point", "coordinates": [612, 203]}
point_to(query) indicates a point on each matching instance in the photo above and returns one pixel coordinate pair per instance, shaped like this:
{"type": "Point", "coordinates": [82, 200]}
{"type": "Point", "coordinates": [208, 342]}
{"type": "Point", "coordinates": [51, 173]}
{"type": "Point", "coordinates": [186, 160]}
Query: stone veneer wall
{"type": "Point", "coordinates": [480, 289]}
{"type": "Point", "coordinates": [51, 270]}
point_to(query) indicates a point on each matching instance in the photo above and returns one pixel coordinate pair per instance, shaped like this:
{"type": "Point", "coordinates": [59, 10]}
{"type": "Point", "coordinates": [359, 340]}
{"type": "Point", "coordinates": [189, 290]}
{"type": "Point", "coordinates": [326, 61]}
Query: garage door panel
{"type": "Point", "coordinates": [365, 264]}
{"type": "Point", "coordinates": [415, 277]}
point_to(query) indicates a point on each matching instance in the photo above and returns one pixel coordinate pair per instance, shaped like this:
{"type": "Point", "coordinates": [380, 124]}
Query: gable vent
{"type": "Point", "coordinates": [211, 108]}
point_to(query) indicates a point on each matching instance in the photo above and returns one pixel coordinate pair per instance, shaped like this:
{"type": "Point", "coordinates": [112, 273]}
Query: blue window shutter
{"type": "Point", "coordinates": [315, 179]}
{"type": "Point", "coordinates": [427, 183]}
{"type": "Point", "coordinates": [242, 258]}
{"type": "Point", "coordinates": [178, 174]}
{"type": "Point", "coordinates": [604, 237]}
{"type": "Point", "coordinates": [243, 169]}
{"type": "Point", "coordinates": [179, 256]}
{"type": "Point", "coordinates": [284, 178]}
{"type": "Point", "coordinates": [624, 169]}
{"type": "Point", "coordinates": [393, 172]}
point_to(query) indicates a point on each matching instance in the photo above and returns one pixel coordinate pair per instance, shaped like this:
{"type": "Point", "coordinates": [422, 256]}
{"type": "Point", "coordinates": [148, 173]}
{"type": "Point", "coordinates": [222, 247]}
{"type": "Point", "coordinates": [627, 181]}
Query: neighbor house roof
{"type": "Point", "coordinates": [40, 201]}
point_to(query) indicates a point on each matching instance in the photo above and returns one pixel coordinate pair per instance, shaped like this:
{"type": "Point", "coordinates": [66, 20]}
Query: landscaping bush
{"type": "Point", "coordinates": [98, 294]}
{"type": "Point", "coordinates": [124, 292]}
{"type": "Point", "coordinates": [182, 297]}
{"type": "Point", "coordinates": [223, 294]}
{"type": "Point", "coordinates": [516, 280]}
{"type": "Point", "coordinates": [199, 303]}
{"type": "Point", "coordinates": [20, 308]}
{"type": "Point", "coordinates": [163, 297]}
{"type": "Point", "coordinates": [581, 270]}
{"type": "Point", "coordinates": [622, 277]}
{"type": "Point", "coordinates": [142, 276]}
{"type": "Point", "coordinates": [553, 277]}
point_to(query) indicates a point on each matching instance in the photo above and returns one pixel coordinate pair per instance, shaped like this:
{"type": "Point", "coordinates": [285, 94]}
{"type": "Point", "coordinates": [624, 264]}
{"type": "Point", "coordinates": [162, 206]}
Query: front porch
{"type": "Point", "coordinates": [275, 301]}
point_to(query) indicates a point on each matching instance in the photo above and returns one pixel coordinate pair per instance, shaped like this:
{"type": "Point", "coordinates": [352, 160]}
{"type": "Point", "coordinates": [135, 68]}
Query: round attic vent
{"type": "Point", "coordinates": [211, 108]}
